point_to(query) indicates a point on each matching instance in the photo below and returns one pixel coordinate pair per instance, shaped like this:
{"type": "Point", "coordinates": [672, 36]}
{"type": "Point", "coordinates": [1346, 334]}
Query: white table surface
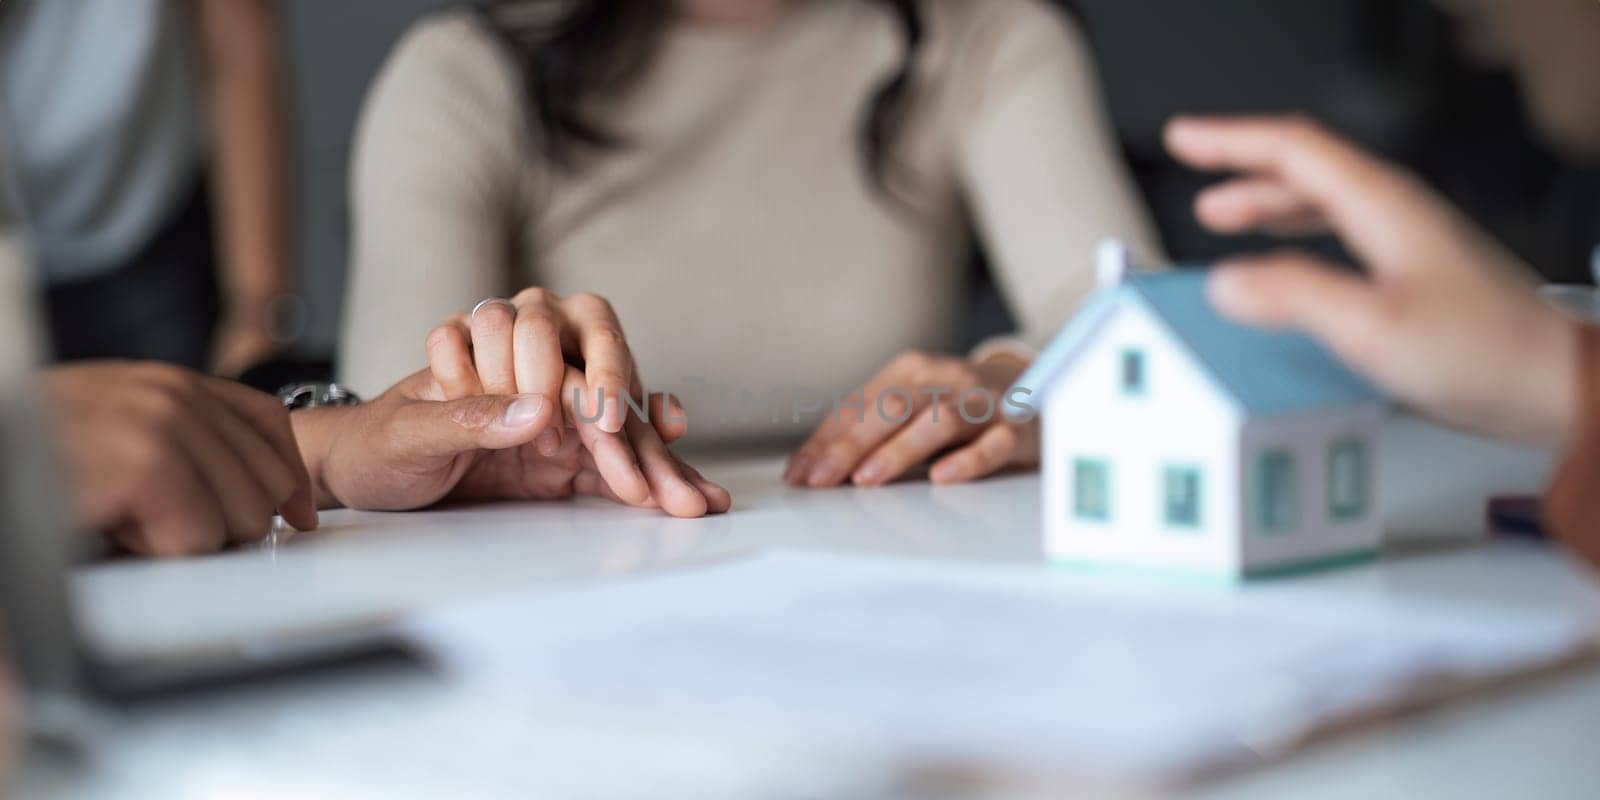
{"type": "Point", "coordinates": [1538, 739]}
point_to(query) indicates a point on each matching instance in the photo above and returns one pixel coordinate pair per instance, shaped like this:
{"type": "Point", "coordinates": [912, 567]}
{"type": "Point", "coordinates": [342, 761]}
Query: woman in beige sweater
{"type": "Point", "coordinates": [777, 197]}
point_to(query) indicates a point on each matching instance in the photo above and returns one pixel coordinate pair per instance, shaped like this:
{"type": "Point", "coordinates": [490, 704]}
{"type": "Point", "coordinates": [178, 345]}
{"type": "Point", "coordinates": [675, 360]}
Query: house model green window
{"type": "Point", "coordinates": [1133, 371]}
{"type": "Point", "coordinates": [1091, 489]}
{"type": "Point", "coordinates": [1275, 492]}
{"type": "Point", "coordinates": [1347, 480]}
{"type": "Point", "coordinates": [1181, 492]}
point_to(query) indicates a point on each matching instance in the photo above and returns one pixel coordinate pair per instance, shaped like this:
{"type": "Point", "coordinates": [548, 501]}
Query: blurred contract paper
{"type": "Point", "coordinates": [932, 664]}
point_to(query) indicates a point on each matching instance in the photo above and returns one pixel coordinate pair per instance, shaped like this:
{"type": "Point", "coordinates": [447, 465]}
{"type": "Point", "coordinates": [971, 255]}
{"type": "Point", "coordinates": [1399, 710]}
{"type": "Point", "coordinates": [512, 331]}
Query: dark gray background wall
{"type": "Point", "coordinates": [335, 47]}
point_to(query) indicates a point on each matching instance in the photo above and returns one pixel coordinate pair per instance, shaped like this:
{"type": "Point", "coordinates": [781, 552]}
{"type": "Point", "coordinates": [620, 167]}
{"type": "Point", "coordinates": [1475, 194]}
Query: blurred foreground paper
{"type": "Point", "coordinates": [987, 667]}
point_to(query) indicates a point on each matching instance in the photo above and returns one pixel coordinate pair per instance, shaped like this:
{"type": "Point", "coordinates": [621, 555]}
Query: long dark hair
{"type": "Point", "coordinates": [570, 51]}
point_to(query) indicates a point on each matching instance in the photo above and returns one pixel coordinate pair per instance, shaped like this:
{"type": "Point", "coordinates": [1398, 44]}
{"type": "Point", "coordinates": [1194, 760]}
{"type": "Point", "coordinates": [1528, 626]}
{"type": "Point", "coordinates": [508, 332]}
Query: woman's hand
{"type": "Point", "coordinates": [919, 408]}
{"type": "Point", "coordinates": [170, 462]}
{"type": "Point", "coordinates": [528, 345]}
{"type": "Point", "coordinates": [1445, 318]}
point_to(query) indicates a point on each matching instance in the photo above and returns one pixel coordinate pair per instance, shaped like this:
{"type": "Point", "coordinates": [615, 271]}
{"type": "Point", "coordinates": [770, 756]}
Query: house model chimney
{"type": "Point", "coordinates": [1112, 262]}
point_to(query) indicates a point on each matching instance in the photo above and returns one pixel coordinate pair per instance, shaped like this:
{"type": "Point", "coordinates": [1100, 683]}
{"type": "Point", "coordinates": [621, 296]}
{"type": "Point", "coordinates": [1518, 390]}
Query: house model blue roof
{"type": "Point", "coordinates": [1266, 372]}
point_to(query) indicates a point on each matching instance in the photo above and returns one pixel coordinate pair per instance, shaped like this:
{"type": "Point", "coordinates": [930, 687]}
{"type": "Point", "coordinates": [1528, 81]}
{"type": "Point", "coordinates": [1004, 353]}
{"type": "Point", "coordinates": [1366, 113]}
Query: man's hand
{"type": "Point", "coordinates": [920, 408]}
{"type": "Point", "coordinates": [527, 345]}
{"type": "Point", "coordinates": [415, 446]}
{"type": "Point", "coordinates": [1445, 318]}
{"type": "Point", "coordinates": [170, 462]}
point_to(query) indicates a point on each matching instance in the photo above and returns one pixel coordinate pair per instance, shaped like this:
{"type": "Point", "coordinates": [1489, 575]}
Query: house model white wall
{"type": "Point", "coordinates": [1177, 440]}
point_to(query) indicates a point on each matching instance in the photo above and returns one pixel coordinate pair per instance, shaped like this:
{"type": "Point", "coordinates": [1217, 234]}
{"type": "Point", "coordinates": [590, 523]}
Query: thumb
{"type": "Point", "coordinates": [485, 422]}
{"type": "Point", "coordinates": [1293, 289]}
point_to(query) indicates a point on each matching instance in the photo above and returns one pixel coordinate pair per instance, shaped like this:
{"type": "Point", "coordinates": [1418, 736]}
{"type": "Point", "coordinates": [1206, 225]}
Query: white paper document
{"type": "Point", "coordinates": [1007, 667]}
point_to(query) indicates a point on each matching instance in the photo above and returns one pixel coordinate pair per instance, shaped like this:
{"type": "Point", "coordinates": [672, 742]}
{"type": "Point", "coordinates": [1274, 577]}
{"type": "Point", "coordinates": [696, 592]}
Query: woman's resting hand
{"type": "Point", "coordinates": [920, 408]}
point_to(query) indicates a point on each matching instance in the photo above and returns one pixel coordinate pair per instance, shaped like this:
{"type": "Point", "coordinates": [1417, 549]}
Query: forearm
{"type": "Point", "coordinates": [1046, 180]}
{"type": "Point", "coordinates": [244, 90]}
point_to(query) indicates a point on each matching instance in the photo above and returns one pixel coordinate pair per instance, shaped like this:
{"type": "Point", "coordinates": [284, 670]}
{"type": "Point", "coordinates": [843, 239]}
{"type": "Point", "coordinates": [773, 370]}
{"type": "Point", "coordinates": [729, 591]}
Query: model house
{"type": "Point", "coordinates": [1175, 439]}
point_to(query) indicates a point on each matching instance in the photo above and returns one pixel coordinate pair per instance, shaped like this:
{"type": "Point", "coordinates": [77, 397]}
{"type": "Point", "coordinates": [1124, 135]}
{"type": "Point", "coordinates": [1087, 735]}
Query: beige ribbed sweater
{"type": "Point", "coordinates": [736, 234]}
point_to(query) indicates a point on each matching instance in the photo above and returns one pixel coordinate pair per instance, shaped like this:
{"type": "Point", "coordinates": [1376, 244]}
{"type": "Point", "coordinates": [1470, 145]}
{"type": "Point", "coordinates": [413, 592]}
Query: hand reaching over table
{"type": "Point", "coordinates": [1444, 318]}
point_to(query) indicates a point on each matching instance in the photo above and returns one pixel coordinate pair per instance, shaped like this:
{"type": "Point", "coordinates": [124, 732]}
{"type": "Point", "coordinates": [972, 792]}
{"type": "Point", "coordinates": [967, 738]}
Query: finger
{"type": "Point", "coordinates": [450, 359]}
{"type": "Point", "coordinates": [892, 404]}
{"type": "Point", "coordinates": [273, 480]}
{"type": "Point", "coordinates": [667, 415]}
{"type": "Point", "coordinates": [813, 458]}
{"type": "Point", "coordinates": [492, 323]}
{"type": "Point", "coordinates": [269, 419]}
{"type": "Point", "coordinates": [245, 506]}
{"type": "Point", "coordinates": [608, 364]}
{"type": "Point", "coordinates": [668, 486]}
{"type": "Point", "coordinates": [938, 427]}
{"type": "Point", "coordinates": [991, 452]}
{"type": "Point", "coordinates": [485, 422]}
{"type": "Point", "coordinates": [1292, 289]}
{"type": "Point", "coordinates": [537, 334]}
{"type": "Point", "coordinates": [836, 457]}
{"type": "Point", "coordinates": [666, 412]}
{"type": "Point", "coordinates": [1361, 196]}
{"type": "Point", "coordinates": [174, 515]}
{"type": "Point", "coordinates": [1256, 204]}
{"type": "Point", "coordinates": [613, 455]}
{"type": "Point", "coordinates": [588, 480]}
{"type": "Point", "coordinates": [549, 441]}
{"type": "Point", "coordinates": [718, 499]}
{"type": "Point", "coordinates": [589, 483]}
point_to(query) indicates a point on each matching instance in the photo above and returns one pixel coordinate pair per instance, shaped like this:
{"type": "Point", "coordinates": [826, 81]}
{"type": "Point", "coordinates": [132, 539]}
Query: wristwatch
{"type": "Point", "coordinates": [316, 394]}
